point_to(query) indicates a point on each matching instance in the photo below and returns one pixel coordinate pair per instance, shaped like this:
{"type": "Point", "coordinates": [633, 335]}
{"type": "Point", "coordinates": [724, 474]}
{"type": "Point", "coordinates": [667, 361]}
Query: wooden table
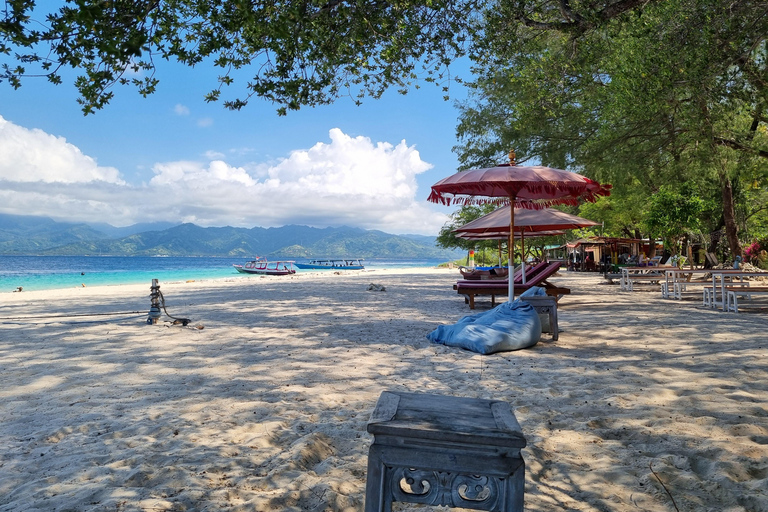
{"type": "Point", "coordinates": [545, 305]}
{"type": "Point", "coordinates": [444, 450]}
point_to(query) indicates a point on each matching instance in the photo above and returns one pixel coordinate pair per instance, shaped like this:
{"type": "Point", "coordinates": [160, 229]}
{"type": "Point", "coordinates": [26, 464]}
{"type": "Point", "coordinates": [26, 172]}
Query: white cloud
{"type": "Point", "coordinates": [204, 122]}
{"type": "Point", "coordinates": [35, 156]}
{"type": "Point", "coordinates": [181, 110]}
{"type": "Point", "coordinates": [214, 155]}
{"type": "Point", "coordinates": [194, 175]}
{"type": "Point", "coordinates": [347, 181]}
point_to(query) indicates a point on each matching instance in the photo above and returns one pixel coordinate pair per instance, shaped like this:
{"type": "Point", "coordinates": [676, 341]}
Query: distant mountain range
{"type": "Point", "coordinates": [42, 236]}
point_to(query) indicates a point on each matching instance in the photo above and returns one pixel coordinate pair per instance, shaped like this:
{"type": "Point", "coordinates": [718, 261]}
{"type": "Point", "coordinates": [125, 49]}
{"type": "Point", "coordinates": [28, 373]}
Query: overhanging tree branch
{"type": "Point", "coordinates": [576, 23]}
{"type": "Point", "coordinates": [740, 147]}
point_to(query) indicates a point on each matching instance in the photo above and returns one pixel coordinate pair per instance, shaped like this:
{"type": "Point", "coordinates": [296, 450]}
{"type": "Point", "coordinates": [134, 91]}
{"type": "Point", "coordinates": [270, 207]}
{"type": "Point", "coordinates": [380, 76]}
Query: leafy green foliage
{"type": "Point", "coordinates": [673, 214]}
{"type": "Point", "coordinates": [448, 239]}
{"type": "Point", "coordinates": [640, 95]}
{"type": "Point", "coordinates": [298, 52]}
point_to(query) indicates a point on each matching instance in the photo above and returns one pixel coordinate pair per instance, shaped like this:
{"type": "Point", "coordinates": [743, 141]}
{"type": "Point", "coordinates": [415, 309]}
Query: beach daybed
{"type": "Point", "coordinates": [471, 289]}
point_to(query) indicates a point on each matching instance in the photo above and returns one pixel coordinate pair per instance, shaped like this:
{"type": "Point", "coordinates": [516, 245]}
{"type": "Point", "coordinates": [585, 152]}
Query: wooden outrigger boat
{"type": "Point", "coordinates": [269, 268]}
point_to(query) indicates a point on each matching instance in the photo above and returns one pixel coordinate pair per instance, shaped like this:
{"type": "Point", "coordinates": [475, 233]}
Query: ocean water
{"type": "Point", "coordinates": [52, 272]}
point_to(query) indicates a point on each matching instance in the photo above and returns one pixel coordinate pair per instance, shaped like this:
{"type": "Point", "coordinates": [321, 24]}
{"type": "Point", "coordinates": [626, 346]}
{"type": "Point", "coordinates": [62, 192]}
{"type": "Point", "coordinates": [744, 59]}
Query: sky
{"type": "Point", "coordinates": [172, 157]}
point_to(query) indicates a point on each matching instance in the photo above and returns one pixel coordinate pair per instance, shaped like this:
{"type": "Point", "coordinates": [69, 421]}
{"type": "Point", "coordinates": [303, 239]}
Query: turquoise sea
{"type": "Point", "coordinates": [51, 272]}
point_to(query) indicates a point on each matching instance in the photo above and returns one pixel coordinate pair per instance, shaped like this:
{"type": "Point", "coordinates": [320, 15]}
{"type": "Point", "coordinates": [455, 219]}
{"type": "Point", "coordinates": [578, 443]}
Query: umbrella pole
{"type": "Point", "coordinates": [511, 263]}
{"type": "Point", "coordinates": [522, 245]}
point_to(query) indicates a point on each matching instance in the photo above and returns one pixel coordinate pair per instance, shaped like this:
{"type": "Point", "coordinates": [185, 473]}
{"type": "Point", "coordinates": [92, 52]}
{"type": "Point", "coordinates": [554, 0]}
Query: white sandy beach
{"type": "Point", "coordinates": [265, 407]}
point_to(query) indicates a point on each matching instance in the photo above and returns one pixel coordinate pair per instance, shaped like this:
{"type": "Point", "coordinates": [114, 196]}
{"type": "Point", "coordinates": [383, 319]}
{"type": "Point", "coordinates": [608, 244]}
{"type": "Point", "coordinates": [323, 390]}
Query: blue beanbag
{"type": "Point", "coordinates": [534, 291]}
{"type": "Point", "coordinates": [508, 326]}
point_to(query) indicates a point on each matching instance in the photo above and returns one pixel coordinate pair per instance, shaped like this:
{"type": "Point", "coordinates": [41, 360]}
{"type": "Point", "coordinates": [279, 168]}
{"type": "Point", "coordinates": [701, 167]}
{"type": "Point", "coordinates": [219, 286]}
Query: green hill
{"type": "Point", "coordinates": [43, 236]}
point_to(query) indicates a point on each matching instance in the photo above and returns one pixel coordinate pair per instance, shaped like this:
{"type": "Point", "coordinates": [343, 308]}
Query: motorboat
{"type": "Point", "coordinates": [340, 264]}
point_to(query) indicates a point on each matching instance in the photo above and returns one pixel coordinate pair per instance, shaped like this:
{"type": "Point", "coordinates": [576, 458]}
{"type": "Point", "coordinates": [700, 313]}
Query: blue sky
{"type": "Point", "coordinates": [174, 157]}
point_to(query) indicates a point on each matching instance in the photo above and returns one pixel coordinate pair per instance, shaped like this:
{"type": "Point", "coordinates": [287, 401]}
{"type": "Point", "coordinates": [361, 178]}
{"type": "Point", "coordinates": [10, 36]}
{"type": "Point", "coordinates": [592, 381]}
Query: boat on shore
{"type": "Point", "coordinates": [340, 264]}
{"type": "Point", "coordinates": [269, 268]}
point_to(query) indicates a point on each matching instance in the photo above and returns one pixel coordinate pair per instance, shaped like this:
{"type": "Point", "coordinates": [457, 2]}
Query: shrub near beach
{"type": "Point", "coordinates": [757, 254]}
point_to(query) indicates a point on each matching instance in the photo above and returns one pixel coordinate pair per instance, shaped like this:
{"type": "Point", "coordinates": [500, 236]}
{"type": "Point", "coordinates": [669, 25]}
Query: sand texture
{"type": "Point", "coordinates": [261, 402]}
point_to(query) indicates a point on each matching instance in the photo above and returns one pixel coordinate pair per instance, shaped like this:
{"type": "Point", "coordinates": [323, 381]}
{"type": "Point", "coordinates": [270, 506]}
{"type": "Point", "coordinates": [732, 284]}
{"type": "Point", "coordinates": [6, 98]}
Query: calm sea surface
{"type": "Point", "coordinates": [51, 272]}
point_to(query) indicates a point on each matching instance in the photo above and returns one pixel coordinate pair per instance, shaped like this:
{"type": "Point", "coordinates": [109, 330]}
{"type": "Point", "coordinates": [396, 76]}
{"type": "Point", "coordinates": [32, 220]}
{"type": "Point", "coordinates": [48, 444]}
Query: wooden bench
{"type": "Point", "coordinates": [682, 286]}
{"type": "Point", "coordinates": [632, 280]}
{"type": "Point", "coordinates": [733, 292]}
{"type": "Point", "coordinates": [709, 294]}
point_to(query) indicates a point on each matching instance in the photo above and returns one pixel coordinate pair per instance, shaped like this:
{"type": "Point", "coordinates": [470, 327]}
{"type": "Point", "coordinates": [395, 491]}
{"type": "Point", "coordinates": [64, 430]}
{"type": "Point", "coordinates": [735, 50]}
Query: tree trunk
{"type": "Point", "coordinates": [729, 216]}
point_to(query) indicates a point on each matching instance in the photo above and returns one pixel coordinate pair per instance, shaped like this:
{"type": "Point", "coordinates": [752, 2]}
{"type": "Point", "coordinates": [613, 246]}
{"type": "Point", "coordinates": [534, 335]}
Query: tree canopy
{"type": "Point", "coordinates": [448, 240]}
{"type": "Point", "coordinates": [297, 52]}
{"type": "Point", "coordinates": [641, 95]}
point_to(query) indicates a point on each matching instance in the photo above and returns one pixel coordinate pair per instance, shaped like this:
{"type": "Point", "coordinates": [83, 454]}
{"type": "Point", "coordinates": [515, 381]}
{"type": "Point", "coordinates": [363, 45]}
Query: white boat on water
{"type": "Point", "coordinates": [335, 264]}
{"type": "Point", "coordinates": [264, 267]}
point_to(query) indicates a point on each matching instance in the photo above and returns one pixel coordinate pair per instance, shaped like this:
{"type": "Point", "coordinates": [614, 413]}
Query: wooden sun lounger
{"type": "Point", "coordinates": [530, 273]}
{"type": "Point", "coordinates": [471, 289]}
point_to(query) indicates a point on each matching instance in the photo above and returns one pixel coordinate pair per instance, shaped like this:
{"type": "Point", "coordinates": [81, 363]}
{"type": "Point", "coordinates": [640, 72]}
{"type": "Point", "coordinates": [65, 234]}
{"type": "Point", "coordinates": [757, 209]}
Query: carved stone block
{"type": "Point", "coordinates": [444, 450]}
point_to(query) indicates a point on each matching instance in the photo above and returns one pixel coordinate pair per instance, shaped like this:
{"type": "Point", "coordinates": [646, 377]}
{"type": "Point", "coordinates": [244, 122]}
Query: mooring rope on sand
{"type": "Point", "coordinates": [158, 301]}
{"type": "Point", "coordinates": [183, 321]}
{"type": "Point", "coordinates": [72, 315]}
{"type": "Point", "coordinates": [21, 320]}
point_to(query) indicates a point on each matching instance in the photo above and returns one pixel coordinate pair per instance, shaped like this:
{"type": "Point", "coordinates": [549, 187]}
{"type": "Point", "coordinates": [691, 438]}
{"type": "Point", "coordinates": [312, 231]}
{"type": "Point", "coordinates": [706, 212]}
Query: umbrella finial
{"type": "Point", "coordinates": [512, 157]}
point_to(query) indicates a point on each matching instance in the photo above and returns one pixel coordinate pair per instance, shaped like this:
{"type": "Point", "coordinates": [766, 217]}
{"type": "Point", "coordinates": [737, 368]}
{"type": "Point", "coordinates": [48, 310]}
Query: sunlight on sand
{"type": "Point", "coordinates": [265, 409]}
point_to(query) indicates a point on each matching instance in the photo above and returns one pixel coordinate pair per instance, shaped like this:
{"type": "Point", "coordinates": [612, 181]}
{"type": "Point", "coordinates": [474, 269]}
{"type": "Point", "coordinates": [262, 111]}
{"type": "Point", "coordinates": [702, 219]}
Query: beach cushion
{"type": "Point", "coordinates": [508, 326]}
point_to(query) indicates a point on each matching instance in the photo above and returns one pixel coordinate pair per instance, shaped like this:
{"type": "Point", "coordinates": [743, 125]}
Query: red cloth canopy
{"type": "Point", "coordinates": [503, 235]}
{"type": "Point", "coordinates": [528, 187]}
{"type": "Point", "coordinates": [527, 221]}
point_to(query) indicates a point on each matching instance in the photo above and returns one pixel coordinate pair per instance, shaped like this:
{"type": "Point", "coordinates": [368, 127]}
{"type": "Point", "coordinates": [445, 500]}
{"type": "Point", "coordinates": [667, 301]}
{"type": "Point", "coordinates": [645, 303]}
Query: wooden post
{"type": "Point", "coordinates": [154, 309]}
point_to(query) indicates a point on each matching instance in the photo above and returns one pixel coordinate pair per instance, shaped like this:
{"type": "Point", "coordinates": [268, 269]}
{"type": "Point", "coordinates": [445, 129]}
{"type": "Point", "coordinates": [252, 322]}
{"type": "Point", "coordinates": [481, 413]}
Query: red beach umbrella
{"type": "Point", "coordinates": [526, 221]}
{"type": "Point", "coordinates": [533, 187]}
{"type": "Point", "coordinates": [504, 235]}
